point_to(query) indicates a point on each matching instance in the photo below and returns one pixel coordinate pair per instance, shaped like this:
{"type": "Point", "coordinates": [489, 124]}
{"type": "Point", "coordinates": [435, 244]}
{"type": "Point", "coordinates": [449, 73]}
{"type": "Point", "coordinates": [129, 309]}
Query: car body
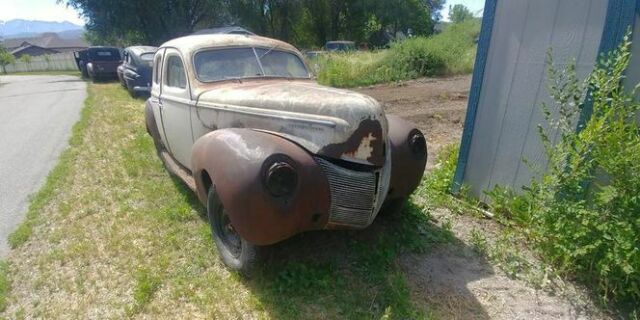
{"type": "Point", "coordinates": [340, 46]}
{"type": "Point", "coordinates": [135, 71]}
{"type": "Point", "coordinates": [270, 152]}
{"type": "Point", "coordinates": [99, 63]}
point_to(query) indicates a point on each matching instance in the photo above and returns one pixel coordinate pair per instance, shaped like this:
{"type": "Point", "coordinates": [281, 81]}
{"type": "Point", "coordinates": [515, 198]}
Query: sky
{"type": "Point", "coordinates": [46, 10]}
{"type": "Point", "coordinates": [49, 10]}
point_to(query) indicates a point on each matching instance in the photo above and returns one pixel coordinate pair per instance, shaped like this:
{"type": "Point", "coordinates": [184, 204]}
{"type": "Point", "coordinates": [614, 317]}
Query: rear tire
{"type": "Point", "coordinates": [235, 252]}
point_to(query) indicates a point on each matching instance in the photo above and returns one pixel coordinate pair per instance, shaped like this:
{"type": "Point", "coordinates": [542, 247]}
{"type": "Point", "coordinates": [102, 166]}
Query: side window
{"type": "Point", "coordinates": [156, 69]}
{"type": "Point", "coordinates": [175, 76]}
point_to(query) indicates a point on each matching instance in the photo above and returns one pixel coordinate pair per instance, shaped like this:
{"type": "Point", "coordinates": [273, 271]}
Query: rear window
{"type": "Point", "coordinates": [105, 55]}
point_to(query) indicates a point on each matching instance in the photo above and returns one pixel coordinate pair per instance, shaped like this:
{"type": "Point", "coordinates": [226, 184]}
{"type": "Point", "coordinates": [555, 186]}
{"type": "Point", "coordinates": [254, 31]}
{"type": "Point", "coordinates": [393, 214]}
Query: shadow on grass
{"type": "Point", "coordinates": [361, 274]}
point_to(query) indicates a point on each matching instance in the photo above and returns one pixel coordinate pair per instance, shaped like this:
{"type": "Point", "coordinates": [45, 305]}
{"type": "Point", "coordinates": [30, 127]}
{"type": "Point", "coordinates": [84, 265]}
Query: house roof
{"type": "Point", "coordinates": [27, 46]}
{"type": "Point", "coordinates": [45, 40]}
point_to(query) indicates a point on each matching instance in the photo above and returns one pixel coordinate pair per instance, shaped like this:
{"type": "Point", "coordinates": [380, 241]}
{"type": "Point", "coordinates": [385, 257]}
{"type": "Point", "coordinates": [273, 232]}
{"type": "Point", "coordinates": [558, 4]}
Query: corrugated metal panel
{"type": "Point", "coordinates": [514, 83]}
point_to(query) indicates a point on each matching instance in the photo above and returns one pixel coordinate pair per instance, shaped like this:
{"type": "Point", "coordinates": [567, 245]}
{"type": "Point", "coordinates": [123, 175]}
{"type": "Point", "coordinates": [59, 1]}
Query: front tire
{"type": "Point", "coordinates": [235, 252]}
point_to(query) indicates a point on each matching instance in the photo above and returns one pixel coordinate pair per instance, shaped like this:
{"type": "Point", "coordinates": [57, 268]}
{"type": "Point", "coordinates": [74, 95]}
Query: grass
{"type": "Point", "coordinates": [112, 233]}
{"type": "Point", "coordinates": [451, 52]}
{"type": "Point", "coordinates": [4, 285]}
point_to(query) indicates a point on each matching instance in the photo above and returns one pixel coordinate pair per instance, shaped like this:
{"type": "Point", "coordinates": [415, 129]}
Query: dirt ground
{"type": "Point", "coordinates": [437, 105]}
{"type": "Point", "coordinates": [453, 278]}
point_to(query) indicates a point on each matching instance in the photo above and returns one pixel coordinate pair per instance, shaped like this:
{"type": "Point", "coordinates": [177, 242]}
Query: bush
{"type": "Point", "coordinates": [584, 214]}
{"type": "Point", "coordinates": [451, 52]}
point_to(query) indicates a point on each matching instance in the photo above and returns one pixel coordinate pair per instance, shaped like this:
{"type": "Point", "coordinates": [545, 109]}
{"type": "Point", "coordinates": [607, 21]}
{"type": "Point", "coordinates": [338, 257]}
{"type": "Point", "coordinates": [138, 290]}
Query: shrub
{"type": "Point", "coordinates": [451, 52]}
{"type": "Point", "coordinates": [584, 213]}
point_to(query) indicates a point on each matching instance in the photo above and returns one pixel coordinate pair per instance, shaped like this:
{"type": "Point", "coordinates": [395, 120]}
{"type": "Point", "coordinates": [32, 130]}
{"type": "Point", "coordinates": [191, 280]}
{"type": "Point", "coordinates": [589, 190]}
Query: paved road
{"type": "Point", "coordinates": [36, 117]}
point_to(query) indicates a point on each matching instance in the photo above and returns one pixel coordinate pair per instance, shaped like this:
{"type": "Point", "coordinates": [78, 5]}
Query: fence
{"type": "Point", "coordinates": [53, 62]}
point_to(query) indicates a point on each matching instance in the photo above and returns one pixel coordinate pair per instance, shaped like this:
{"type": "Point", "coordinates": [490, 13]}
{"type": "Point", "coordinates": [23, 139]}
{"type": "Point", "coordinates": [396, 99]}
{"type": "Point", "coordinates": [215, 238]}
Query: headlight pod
{"type": "Point", "coordinates": [279, 175]}
{"type": "Point", "coordinates": [417, 143]}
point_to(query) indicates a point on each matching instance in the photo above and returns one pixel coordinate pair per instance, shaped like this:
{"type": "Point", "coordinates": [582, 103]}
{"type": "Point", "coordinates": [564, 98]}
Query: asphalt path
{"type": "Point", "coordinates": [36, 117]}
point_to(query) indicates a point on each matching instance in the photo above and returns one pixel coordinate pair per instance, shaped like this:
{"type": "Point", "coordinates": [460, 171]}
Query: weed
{"type": "Point", "coordinates": [4, 285]}
{"type": "Point", "coordinates": [479, 241]}
{"type": "Point", "coordinates": [147, 284]}
{"type": "Point", "coordinates": [451, 52]}
{"type": "Point", "coordinates": [582, 215]}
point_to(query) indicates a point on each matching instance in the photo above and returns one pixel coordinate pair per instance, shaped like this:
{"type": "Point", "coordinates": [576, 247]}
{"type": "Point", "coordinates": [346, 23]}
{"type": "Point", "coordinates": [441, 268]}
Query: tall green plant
{"type": "Point", "coordinates": [26, 59]}
{"type": "Point", "coordinates": [6, 58]}
{"type": "Point", "coordinates": [584, 214]}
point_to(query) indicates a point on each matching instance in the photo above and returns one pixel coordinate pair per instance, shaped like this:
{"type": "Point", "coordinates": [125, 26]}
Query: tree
{"type": "Point", "coordinates": [146, 21]}
{"type": "Point", "coordinates": [459, 13]}
{"type": "Point", "coordinates": [6, 58]}
{"type": "Point", "coordinates": [308, 23]}
{"type": "Point", "coordinates": [26, 59]}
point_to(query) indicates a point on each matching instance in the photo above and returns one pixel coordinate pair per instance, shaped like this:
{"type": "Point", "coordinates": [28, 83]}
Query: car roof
{"type": "Point", "coordinates": [224, 30]}
{"type": "Point", "coordinates": [190, 44]}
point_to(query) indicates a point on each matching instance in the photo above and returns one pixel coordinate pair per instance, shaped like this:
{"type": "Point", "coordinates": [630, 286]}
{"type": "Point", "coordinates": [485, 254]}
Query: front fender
{"type": "Point", "coordinates": [232, 160]}
{"type": "Point", "coordinates": [407, 165]}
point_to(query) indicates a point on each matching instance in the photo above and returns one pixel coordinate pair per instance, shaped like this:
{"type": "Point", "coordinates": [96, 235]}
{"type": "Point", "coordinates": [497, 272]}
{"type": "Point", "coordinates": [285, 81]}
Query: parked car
{"type": "Point", "coordinates": [311, 55]}
{"type": "Point", "coordinates": [98, 63]}
{"type": "Point", "coordinates": [270, 152]}
{"type": "Point", "coordinates": [135, 71]}
{"type": "Point", "coordinates": [340, 46]}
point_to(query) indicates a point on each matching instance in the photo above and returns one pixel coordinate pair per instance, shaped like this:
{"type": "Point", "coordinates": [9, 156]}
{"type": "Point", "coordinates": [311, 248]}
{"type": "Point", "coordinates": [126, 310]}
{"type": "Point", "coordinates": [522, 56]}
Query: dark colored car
{"type": "Point", "coordinates": [136, 68]}
{"type": "Point", "coordinates": [340, 46]}
{"type": "Point", "coordinates": [98, 63]}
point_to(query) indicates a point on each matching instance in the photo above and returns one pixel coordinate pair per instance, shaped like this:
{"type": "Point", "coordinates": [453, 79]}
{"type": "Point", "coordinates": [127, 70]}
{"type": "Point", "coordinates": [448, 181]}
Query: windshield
{"type": "Point", "coordinates": [237, 63]}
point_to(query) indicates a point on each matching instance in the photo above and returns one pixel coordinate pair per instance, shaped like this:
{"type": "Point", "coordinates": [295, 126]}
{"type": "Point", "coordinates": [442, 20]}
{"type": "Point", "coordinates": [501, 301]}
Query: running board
{"type": "Point", "coordinates": [175, 168]}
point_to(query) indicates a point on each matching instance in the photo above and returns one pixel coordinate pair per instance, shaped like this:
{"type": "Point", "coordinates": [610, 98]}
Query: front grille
{"type": "Point", "coordinates": [353, 194]}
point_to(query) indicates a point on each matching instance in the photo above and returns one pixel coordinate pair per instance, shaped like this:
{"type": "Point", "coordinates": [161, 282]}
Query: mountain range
{"type": "Point", "coordinates": [20, 28]}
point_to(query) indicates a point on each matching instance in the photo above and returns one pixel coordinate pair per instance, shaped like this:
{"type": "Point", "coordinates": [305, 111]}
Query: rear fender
{"type": "Point", "coordinates": [151, 124]}
{"type": "Point", "coordinates": [234, 161]}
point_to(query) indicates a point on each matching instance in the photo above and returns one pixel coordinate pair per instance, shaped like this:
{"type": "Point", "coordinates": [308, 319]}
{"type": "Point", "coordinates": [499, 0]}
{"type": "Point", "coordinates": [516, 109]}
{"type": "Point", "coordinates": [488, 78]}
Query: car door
{"type": "Point", "coordinates": [175, 106]}
{"type": "Point", "coordinates": [156, 90]}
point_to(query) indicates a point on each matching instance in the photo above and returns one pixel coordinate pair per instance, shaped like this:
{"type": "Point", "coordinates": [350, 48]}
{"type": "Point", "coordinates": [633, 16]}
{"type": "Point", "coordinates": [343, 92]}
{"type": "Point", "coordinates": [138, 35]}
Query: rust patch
{"type": "Point", "coordinates": [366, 143]}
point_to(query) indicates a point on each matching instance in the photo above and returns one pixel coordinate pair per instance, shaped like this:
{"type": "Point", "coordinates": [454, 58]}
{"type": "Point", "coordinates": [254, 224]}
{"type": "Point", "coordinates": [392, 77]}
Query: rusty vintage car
{"type": "Point", "coordinates": [270, 152]}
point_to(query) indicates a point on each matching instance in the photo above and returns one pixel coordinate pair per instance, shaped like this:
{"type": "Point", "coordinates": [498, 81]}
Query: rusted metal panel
{"type": "Point", "coordinates": [234, 160]}
{"type": "Point", "coordinates": [407, 163]}
{"type": "Point", "coordinates": [337, 123]}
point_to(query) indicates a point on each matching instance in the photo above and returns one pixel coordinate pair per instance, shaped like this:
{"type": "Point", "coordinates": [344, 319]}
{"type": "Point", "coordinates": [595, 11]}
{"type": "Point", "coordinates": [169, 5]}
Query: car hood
{"type": "Point", "coordinates": [331, 122]}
